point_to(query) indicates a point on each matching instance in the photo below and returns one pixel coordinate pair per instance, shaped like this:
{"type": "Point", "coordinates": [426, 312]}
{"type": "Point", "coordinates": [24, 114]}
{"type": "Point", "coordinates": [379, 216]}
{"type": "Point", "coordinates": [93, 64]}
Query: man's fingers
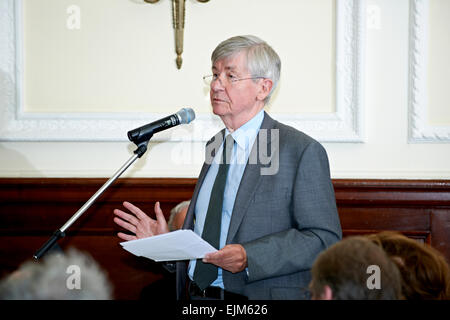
{"type": "Point", "coordinates": [158, 212]}
{"type": "Point", "coordinates": [212, 257]}
{"type": "Point", "coordinates": [231, 258]}
{"type": "Point", "coordinates": [137, 222]}
{"type": "Point", "coordinates": [138, 212]}
{"type": "Point", "coordinates": [126, 237]}
{"type": "Point", "coordinates": [125, 225]}
{"type": "Point", "coordinates": [125, 216]}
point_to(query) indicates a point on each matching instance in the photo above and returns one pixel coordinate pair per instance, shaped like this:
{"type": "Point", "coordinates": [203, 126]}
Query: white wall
{"type": "Point", "coordinates": [301, 31]}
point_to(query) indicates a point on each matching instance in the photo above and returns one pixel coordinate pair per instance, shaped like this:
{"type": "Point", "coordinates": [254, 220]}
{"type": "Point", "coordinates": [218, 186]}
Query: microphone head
{"type": "Point", "coordinates": [186, 115]}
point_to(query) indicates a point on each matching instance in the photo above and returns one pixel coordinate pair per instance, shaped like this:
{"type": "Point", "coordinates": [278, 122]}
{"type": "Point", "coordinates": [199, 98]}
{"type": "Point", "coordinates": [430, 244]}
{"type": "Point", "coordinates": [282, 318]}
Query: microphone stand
{"type": "Point", "coordinates": [60, 233]}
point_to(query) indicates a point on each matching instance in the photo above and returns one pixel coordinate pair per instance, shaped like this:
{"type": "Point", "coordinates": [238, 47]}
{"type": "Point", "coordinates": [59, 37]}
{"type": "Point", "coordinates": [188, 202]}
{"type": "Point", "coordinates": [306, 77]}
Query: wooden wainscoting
{"type": "Point", "coordinates": [31, 209]}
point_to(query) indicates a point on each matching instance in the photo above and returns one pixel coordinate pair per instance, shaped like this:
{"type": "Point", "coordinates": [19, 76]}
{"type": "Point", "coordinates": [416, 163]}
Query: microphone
{"type": "Point", "coordinates": [144, 133]}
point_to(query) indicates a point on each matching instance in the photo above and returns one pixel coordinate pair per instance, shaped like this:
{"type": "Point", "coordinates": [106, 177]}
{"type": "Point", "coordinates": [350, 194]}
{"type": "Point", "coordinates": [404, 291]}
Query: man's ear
{"type": "Point", "coordinates": [327, 293]}
{"type": "Point", "coordinates": [265, 88]}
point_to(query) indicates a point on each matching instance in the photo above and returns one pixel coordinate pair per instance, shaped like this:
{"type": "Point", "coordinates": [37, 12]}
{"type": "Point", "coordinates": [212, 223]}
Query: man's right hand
{"type": "Point", "coordinates": [139, 223]}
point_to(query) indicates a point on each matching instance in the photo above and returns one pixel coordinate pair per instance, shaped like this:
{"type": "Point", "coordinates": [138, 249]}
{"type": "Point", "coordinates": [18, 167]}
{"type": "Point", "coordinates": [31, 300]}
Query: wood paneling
{"type": "Point", "coordinates": [31, 209]}
{"type": "Point", "coordinates": [419, 209]}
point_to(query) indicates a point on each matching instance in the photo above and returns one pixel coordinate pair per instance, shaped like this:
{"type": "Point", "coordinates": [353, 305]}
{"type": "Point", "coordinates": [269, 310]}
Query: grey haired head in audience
{"type": "Point", "coordinates": [174, 222]}
{"type": "Point", "coordinates": [57, 276]}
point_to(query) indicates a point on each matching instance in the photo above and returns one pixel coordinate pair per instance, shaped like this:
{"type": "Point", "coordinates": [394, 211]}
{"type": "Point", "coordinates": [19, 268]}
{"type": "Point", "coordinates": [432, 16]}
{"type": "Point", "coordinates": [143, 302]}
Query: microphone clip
{"type": "Point", "coordinates": [141, 147]}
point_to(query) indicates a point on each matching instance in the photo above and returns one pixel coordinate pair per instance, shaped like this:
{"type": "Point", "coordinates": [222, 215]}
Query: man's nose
{"type": "Point", "coordinates": [217, 84]}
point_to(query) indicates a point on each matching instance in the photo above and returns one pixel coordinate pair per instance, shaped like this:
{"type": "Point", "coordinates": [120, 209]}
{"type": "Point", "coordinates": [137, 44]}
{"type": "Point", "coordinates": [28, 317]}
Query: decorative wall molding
{"type": "Point", "coordinates": [344, 125]}
{"type": "Point", "coordinates": [419, 129]}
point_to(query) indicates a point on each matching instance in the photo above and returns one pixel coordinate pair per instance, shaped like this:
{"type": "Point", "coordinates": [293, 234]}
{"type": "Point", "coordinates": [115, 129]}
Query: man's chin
{"type": "Point", "coordinates": [219, 110]}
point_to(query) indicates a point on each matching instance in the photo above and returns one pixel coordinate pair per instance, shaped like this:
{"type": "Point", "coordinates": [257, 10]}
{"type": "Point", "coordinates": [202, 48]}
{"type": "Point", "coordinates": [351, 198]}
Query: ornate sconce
{"type": "Point", "coordinates": [178, 13]}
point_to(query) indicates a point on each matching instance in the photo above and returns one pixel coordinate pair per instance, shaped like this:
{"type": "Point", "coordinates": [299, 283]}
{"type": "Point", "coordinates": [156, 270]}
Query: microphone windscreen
{"type": "Point", "coordinates": [186, 115]}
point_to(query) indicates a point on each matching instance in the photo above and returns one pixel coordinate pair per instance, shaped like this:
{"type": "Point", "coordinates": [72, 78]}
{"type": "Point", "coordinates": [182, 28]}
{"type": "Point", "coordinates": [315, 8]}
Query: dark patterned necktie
{"type": "Point", "coordinates": [206, 273]}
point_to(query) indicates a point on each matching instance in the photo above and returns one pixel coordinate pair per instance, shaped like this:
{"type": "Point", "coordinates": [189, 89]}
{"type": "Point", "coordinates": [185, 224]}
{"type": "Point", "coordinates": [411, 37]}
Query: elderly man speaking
{"type": "Point", "coordinates": [264, 196]}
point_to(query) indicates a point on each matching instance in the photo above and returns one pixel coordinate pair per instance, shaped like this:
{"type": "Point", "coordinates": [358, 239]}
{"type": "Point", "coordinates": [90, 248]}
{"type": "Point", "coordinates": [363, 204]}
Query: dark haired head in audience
{"type": "Point", "coordinates": [425, 272]}
{"type": "Point", "coordinates": [355, 269]}
{"type": "Point", "coordinates": [57, 276]}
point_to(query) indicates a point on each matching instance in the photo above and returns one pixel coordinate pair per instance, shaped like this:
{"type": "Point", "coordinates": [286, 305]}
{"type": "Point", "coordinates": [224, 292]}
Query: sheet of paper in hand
{"type": "Point", "coordinates": [175, 245]}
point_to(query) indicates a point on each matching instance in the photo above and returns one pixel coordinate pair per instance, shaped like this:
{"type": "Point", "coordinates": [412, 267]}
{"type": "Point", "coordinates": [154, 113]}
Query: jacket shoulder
{"type": "Point", "coordinates": [293, 137]}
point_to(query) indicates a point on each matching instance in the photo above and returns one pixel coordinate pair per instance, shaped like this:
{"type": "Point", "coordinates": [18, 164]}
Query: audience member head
{"type": "Point", "coordinates": [355, 269]}
{"type": "Point", "coordinates": [57, 276]}
{"type": "Point", "coordinates": [424, 270]}
{"type": "Point", "coordinates": [177, 215]}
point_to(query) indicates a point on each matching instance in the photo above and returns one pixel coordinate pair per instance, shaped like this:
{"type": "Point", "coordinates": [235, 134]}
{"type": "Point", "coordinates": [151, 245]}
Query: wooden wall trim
{"type": "Point", "coordinates": [435, 192]}
{"type": "Point", "coordinates": [399, 192]}
{"type": "Point", "coordinates": [32, 208]}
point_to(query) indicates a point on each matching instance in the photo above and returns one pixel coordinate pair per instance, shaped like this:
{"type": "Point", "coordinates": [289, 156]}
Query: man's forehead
{"type": "Point", "coordinates": [235, 62]}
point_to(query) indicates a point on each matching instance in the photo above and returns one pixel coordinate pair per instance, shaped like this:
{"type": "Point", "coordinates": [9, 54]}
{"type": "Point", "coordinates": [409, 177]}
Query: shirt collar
{"type": "Point", "coordinates": [245, 135]}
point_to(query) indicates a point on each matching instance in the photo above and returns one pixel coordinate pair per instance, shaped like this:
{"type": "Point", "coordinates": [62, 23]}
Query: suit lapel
{"type": "Point", "coordinates": [249, 182]}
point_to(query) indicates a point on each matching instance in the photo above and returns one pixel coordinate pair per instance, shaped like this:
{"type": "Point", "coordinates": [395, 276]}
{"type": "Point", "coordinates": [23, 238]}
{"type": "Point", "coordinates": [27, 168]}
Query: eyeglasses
{"type": "Point", "coordinates": [229, 79]}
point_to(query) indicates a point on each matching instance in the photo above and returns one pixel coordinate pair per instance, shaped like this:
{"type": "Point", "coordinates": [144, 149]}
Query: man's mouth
{"type": "Point", "coordinates": [218, 100]}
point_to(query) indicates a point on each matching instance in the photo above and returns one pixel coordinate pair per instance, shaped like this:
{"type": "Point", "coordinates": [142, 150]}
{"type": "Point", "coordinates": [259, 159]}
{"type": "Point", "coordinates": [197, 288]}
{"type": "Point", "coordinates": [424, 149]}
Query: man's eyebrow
{"type": "Point", "coordinates": [232, 68]}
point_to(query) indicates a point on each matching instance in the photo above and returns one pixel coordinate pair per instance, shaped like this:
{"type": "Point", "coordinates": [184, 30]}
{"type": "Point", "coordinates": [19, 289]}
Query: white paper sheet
{"type": "Point", "coordinates": [175, 245]}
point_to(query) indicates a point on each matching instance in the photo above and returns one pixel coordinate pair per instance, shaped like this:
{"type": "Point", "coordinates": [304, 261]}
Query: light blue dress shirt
{"type": "Point", "coordinates": [244, 137]}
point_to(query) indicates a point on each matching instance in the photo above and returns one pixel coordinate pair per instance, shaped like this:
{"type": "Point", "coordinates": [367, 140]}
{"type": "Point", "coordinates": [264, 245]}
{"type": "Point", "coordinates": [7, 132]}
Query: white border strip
{"type": "Point", "coordinates": [419, 129]}
{"type": "Point", "coordinates": [344, 125]}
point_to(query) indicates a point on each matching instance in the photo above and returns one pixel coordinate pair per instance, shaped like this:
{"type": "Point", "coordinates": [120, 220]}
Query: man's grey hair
{"type": "Point", "coordinates": [176, 210]}
{"type": "Point", "coordinates": [262, 60]}
{"type": "Point", "coordinates": [50, 279]}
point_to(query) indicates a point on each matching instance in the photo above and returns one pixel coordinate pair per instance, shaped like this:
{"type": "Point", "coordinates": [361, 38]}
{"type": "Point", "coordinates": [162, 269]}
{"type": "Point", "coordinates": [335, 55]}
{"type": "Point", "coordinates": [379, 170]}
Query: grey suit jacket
{"type": "Point", "coordinates": [283, 218]}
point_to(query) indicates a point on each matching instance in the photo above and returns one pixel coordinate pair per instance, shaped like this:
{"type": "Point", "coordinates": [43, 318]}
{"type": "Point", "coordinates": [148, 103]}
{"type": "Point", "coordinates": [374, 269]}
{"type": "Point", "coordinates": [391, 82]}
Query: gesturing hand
{"type": "Point", "coordinates": [140, 223]}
